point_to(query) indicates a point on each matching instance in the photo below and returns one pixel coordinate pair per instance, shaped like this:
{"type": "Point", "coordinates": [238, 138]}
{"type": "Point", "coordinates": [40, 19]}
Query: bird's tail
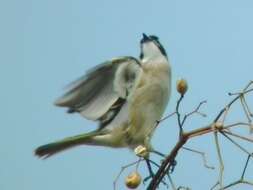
{"type": "Point", "coordinates": [50, 149]}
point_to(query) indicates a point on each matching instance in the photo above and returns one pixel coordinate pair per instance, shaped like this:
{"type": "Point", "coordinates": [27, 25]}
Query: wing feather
{"type": "Point", "coordinates": [99, 94]}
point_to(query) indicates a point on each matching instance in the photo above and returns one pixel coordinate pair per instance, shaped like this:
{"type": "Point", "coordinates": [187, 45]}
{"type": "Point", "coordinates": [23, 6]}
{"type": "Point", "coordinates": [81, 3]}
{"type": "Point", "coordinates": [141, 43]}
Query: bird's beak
{"type": "Point", "coordinates": [145, 37]}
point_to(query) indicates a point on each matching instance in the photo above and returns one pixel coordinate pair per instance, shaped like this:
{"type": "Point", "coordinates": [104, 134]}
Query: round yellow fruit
{"type": "Point", "coordinates": [133, 180]}
{"type": "Point", "coordinates": [182, 86]}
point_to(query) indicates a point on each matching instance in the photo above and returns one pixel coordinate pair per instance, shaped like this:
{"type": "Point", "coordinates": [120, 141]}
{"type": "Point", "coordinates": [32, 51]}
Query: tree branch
{"type": "Point", "coordinates": [214, 126]}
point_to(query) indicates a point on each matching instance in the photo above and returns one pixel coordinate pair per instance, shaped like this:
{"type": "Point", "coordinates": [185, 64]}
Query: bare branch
{"type": "Point", "coordinates": [245, 167]}
{"type": "Point", "coordinates": [238, 136]}
{"type": "Point", "coordinates": [245, 109]}
{"type": "Point", "coordinates": [237, 124]}
{"type": "Point", "coordinates": [179, 116]}
{"type": "Point", "coordinates": [166, 117]}
{"type": "Point", "coordinates": [236, 144]}
{"type": "Point", "coordinates": [195, 111]}
{"type": "Point", "coordinates": [203, 155]}
{"type": "Point", "coordinates": [221, 164]}
{"type": "Point", "coordinates": [172, 183]}
{"type": "Point", "coordinates": [217, 126]}
{"type": "Point", "coordinates": [237, 183]}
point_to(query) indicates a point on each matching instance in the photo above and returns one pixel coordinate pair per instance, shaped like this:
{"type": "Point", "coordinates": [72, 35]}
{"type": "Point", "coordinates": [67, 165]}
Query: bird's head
{"type": "Point", "coordinates": [151, 47]}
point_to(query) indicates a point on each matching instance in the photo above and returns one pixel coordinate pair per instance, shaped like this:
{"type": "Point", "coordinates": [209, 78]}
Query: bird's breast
{"type": "Point", "coordinates": [148, 102]}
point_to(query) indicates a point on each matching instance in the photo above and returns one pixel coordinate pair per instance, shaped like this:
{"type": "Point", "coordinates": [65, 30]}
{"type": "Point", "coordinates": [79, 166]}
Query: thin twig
{"type": "Point", "coordinates": [123, 168]}
{"type": "Point", "coordinates": [237, 183]}
{"type": "Point", "coordinates": [215, 185]}
{"type": "Point", "coordinates": [245, 167]}
{"type": "Point", "coordinates": [196, 110]}
{"type": "Point", "coordinates": [172, 183]}
{"type": "Point", "coordinates": [221, 164]}
{"type": "Point", "coordinates": [166, 117]}
{"type": "Point", "coordinates": [241, 180]}
{"type": "Point", "coordinates": [183, 188]}
{"type": "Point", "coordinates": [224, 115]}
{"type": "Point", "coordinates": [184, 137]}
{"type": "Point", "coordinates": [179, 116]}
{"type": "Point", "coordinates": [236, 124]}
{"type": "Point", "coordinates": [245, 91]}
{"type": "Point", "coordinates": [236, 144]}
{"type": "Point", "coordinates": [202, 154]}
{"type": "Point", "coordinates": [151, 173]}
{"type": "Point", "coordinates": [247, 107]}
{"type": "Point", "coordinates": [151, 176]}
{"type": "Point", "coordinates": [242, 100]}
{"type": "Point", "coordinates": [238, 136]}
{"type": "Point", "coordinates": [248, 85]}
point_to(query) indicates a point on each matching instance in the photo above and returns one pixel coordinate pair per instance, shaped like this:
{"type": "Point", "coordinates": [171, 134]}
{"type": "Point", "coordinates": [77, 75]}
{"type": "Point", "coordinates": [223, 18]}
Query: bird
{"type": "Point", "coordinates": [125, 95]}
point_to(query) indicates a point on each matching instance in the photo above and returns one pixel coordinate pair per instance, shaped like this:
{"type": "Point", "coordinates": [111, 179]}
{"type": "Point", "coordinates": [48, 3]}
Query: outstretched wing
{"type": "Point", "coordinates": [101, 93]}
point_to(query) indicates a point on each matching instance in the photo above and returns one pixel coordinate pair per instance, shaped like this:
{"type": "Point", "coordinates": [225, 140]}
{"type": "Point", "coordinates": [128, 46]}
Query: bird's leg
{"type": "Point", "coordinates": [151, 173]}
{"type": "Point", "coordinates": [149, 162]}
{"type": "Point", "coordinates": [173, 165]}
{"type": "Point", "coordinates": [158, 153]}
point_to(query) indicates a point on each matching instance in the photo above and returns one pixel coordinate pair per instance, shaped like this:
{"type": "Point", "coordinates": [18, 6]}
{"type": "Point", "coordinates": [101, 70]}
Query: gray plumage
{"type": "Point", "coordinates": [126, 95]}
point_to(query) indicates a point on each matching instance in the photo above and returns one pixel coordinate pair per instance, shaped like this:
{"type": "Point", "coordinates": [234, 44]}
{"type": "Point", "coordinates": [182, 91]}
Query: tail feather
{"type": "Point", "coordinates": [50, 149]}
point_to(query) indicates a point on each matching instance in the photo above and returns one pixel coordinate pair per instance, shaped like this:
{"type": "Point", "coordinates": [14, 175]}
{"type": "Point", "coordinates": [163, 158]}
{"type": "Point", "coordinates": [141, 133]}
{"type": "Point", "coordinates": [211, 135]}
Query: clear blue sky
{"type": "Point", "coordinates": [46, 44]}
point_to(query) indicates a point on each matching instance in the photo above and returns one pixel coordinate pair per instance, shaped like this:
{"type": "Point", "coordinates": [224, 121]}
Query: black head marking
{"type": "Point", "coordinates": [154, 39]}
{"type": "Point", "coordinates": [141, 55]}
{"type": "Point", "coordinates": [145, 38]}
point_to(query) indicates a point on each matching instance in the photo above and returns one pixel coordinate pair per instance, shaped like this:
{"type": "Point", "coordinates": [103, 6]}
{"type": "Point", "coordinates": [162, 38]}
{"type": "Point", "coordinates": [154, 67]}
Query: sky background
{"type": "Point", "coordinates": [44, 45]}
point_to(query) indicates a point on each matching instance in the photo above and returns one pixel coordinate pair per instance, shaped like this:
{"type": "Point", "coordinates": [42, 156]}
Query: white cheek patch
{"type": "Point", "coordinates": [150, 50]}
